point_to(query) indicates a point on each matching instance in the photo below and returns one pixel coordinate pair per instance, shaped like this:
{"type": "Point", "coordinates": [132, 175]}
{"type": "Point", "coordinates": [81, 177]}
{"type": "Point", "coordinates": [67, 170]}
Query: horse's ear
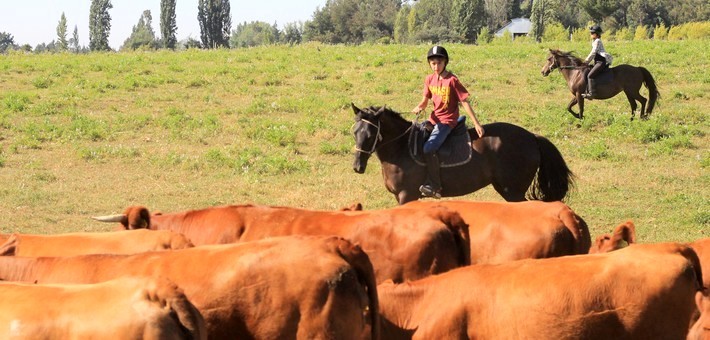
{"type": "Point", "coordinates": [382, 109]}
{"type": "Point", "coordinates": [355, 108]}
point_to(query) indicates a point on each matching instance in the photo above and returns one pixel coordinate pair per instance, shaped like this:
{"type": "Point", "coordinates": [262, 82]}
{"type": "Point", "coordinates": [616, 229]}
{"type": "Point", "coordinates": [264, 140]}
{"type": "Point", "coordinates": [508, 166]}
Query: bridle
{"type": "Point", "coordinates": [379, 136]}
{"type": "Point", "coordinates": [562, 67]}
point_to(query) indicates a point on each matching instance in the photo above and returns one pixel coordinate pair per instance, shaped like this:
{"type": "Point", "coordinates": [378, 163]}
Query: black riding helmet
{"type": "Point", "coordinates": [595, 29]}
{"type": "Point", "coordinates": [438, 52]}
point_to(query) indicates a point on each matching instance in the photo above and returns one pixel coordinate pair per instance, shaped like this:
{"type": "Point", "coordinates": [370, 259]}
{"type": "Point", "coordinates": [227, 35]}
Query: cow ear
{"type": "Point", "coordinates": [626, 232]}
{"type": "Point", "coordinates": [356, 110]}
{"type": "Point", "coordinates": [699, 300]}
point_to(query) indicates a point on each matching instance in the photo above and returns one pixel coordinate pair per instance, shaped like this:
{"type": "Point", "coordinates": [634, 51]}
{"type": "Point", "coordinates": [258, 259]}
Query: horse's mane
{"type": "Point", "coordinates": [387, 111]}
{"type": "Point", "coordinates": [576, 61]}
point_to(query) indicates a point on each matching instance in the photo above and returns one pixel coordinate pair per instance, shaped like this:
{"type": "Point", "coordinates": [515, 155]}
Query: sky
{"type": "Point", "coordinates": [35, 21]}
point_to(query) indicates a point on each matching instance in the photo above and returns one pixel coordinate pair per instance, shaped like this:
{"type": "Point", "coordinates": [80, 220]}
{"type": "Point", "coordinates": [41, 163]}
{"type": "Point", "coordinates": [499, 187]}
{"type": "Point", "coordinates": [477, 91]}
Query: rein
{"type": "Point", "coordinates": [555, 65]}
{"type": "Point", "coordinates": [379, 136]}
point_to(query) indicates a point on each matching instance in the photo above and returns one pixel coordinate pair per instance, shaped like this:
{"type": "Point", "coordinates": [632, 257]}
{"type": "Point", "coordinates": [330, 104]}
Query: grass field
{"type": "Point", "coordinates": [82, 135]}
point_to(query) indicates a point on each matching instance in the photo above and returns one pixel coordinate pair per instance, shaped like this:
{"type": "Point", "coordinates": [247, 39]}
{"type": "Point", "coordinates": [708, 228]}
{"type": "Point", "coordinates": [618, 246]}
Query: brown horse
{"type": "Point", "coordinates": [508, 156]}
{"type": "Point", "coordinates": [627, 78]}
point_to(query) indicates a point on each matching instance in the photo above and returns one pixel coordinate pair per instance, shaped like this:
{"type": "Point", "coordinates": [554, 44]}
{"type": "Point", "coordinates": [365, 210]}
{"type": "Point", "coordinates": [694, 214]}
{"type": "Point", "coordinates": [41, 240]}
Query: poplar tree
{"type": "Point", "coordinates": [99, 25]}
{"type": "Point", "coordinates": [62, 43]}
{"type": "Point", "coordinates": [75, 40]}
{"type": "Point", "coordinates": [168, 23]}
{"type": "Point", "coordinates": [215, 22]}
{"type": "Point", "coordinates": [467, 18]}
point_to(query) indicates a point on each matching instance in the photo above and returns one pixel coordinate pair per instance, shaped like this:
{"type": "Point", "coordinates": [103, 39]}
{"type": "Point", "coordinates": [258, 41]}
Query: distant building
{"type": "Point", "coordinates": [517, 27]}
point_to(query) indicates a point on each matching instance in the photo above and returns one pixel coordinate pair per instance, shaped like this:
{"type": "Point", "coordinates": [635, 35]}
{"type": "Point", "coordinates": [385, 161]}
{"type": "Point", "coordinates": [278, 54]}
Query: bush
{"type": "Point", "coordinates": [641, 33]}
{"type": "Point", "coordinates": [555, 32]}
{"type": "Point", "coordinates": [624, 34]}
{"type": "Point", "coordinates": [678, 33]}
{"type": "Point", "coordinates": [699, 30]}
{"type": "Point", "coordinates": [660, 32]}
{"type": "Point", "coordinates": [485, 36]}
{"type": "Point", "coordinates": [580, 34]}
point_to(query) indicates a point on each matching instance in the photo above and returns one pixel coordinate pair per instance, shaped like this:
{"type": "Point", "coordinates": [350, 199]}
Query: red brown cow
{"type": "Point", "coordinates": [702, 247]}
{"type": "Point", "coordinates": [278, 288]}
{"type": "Point", "coordinates": [701, 328]}
{"type": "Point", "coordinates": [639, 292]}
{"type": "Point", "coordinates": [127, 308]}
{"type": "Point", "coordinates": [623, 234]}
{"type": "Point", "coordinates": [402, 245]}
{"type": "Point", "coordinates": [507, 231]}
{"type": "Point", "coordinates": [118, 242]}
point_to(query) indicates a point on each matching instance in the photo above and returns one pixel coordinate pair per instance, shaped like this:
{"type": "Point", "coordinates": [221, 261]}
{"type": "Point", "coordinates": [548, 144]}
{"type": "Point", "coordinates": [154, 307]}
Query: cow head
{"type": "Point", "coordinates": [625, 232]}
{"type": "Point", "coordinates": [135, 217]}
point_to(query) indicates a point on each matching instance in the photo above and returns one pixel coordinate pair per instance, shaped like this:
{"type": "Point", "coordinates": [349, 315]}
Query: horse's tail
{"type": "Point", "coordinates": [554, 178]}
{"type": "Point", "coordinates": [653, 93]}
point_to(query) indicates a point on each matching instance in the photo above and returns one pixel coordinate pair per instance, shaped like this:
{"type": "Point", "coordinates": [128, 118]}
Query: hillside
{"type": "Point", "coordinates": [82, 135]}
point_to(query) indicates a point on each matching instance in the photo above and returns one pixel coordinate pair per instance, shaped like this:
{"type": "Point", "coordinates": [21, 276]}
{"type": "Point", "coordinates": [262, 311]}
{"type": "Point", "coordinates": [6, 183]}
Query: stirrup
{"type": "Point", "coordinates": [587, 96]}
{"type": "Point", "coordinates": [428, 191]}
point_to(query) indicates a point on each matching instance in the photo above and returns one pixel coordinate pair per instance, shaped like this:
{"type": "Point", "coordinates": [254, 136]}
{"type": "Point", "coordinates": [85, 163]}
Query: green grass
{"type": "Point", "coordinates": [82, 135]}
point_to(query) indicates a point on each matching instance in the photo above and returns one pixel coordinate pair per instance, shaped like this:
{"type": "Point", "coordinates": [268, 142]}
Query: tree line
{"type": "Point", "coordinates": [377, 21]}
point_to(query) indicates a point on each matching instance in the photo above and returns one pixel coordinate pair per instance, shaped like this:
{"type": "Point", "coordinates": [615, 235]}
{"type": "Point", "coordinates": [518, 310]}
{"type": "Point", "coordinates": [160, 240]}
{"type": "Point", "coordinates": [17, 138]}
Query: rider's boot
{"type": "Point", "coordinates": [433, 187]}
{"type": "Point", "coordinates": [591, 90]}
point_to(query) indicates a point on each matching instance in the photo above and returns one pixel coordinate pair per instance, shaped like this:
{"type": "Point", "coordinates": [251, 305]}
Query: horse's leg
{"type": "Point", "coordinates": [642, 100]}
{"type": "Point", "coordinates": [510, 194]}
{"type": "Point", "coordinates": [574, 102]}
{"type": "Point", "coordinates": [405, 196]}
{"type": "Point", "coordinates": [632, 101]}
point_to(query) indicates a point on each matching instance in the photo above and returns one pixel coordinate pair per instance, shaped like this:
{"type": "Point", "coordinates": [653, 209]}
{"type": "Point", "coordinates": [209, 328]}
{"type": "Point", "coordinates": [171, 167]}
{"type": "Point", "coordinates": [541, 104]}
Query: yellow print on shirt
{"type": "Point", "coordinates": [441, 91]}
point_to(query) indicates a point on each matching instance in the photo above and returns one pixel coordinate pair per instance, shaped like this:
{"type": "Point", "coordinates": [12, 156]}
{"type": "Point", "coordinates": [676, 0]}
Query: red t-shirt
{"type": "Point", "coordinates": [446, 94]}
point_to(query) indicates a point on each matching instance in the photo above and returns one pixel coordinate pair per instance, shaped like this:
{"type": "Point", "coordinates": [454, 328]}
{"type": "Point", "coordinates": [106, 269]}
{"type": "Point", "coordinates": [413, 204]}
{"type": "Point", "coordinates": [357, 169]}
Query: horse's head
{"type": "Point", "coordinates": [551, 63]}
{"type": "Point", "coordinates": [367, 134]}
{"type": "Point", "coordinates": [562, 60]}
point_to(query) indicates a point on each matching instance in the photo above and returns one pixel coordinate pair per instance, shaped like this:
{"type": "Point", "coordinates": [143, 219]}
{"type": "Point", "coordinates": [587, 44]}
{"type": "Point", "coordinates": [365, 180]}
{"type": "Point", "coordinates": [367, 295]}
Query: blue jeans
{"type": "Point", "coordinates": [437, 138]}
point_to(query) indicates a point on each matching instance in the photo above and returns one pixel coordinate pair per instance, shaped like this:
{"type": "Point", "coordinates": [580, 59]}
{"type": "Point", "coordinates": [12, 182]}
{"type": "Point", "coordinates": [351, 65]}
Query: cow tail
{"type": "Point", "coordinates": [458, 227]}
{"type": "Point", "coordinates": [358, 260]}
{"type": "Point", "coordinates": [579, 229]}
{"type": "Point", "coordinates": [554, 178]}
{"type": "Point", "coordinates": [9, 248]}
{"type": "Point", "coordinates": [690, 254]}
{"type": "Point", "coordinates": [189, 319]}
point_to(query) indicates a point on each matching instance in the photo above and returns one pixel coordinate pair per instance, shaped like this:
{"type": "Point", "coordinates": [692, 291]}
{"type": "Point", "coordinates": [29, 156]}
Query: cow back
{"type": "Point", "coordinates": [622, 294]}
{"type": "Point", "coordinates": [117, 242]}
{"type": "Point", "coordinates": [274, 288]}
{"type": "Point", "coordinates": [505, 231]}
{"type": "Point", "coordinates": [401, 245]}
{"type": "Point", "coordinates": [124, 308]}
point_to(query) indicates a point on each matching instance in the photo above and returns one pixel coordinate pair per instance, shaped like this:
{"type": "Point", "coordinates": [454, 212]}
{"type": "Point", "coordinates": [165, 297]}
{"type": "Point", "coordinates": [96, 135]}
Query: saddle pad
{"type": "Point", "coordinates": [607, 76]}
{"type": "Point", "coordinates": [455, 151]}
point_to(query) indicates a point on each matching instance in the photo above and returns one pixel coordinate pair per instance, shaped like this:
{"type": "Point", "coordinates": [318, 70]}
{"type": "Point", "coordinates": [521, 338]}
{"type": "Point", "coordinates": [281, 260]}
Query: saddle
{"type": "Point", "coordinates": [605, 76]}
{"type": "Point", "coordinates": [455, 151]}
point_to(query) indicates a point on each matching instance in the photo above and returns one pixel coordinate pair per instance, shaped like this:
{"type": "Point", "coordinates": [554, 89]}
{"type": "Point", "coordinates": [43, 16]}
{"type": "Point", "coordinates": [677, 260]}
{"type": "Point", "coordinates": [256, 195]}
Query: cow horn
{"type": "Point", "coordinates": [110, 218]}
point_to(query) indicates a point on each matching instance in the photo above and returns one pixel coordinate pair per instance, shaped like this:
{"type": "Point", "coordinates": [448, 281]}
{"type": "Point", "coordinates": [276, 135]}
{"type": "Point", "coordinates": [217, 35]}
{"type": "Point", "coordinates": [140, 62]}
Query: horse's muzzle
{"type": "Point", "coordinates": [360, 163]}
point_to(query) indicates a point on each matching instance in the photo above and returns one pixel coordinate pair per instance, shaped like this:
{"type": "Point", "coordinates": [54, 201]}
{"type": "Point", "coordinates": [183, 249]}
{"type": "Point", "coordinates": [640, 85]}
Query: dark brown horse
{"type": "Point", "coordinates": [627, 78]}
{"type": "Point", "coordinates": [508, 156]}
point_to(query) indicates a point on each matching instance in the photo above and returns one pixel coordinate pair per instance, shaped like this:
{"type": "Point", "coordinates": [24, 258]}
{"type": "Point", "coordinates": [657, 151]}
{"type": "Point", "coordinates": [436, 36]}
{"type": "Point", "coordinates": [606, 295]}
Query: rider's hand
{"type": "Point", "coordinates": [417, 109]}
{"type": "Point", "coordinates": [479, 130]}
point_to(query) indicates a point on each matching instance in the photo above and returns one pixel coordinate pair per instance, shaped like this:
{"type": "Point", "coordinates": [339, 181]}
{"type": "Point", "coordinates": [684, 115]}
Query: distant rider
{"type": "Point", "coordinates": [601, 58]}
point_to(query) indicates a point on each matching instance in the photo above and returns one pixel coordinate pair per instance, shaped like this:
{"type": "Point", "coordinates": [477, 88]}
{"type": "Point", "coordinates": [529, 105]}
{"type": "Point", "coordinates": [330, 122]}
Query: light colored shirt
{"type": "Point", "coordinates": [598, 48]}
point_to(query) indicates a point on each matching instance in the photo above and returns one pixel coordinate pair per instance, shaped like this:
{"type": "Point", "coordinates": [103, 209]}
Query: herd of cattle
{"type": "Point", "coordinates": [424, 270]}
